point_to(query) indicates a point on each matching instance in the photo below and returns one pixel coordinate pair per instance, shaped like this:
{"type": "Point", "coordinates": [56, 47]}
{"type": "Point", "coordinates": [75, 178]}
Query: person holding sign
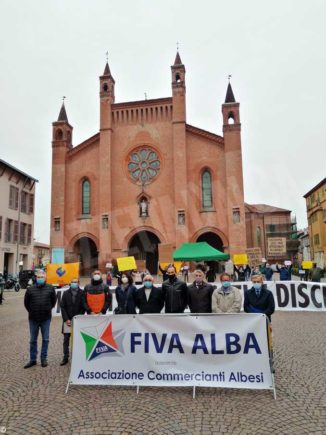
{"type": "Point", "coordinates": [97, 296]}
{"type": "Point", "coordinates": [149, 299]}
{"type": "Point", "coordinates": [226, 299]}
{"type": "Point", "coordinates": [71, 305]}
{"type": "Point", "coordinates": [259, 299]}
{"type": "Point", "coordinates": [125, 295]}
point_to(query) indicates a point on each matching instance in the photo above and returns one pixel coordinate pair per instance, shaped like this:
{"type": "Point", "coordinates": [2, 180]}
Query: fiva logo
{"type": "Point", "coordinates": [60, 271]}
{"type": "Point", "coordinates": [100, 341]}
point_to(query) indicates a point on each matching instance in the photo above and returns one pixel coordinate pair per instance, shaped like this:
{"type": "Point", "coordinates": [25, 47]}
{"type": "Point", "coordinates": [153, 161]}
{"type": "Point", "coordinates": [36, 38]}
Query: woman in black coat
{"type": "Point", "coordinates": [125, 295]}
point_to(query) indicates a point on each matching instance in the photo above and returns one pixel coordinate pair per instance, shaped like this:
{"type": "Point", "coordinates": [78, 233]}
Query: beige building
{"type": "Point", "coordinates": [17, 192]}
{"type": "Point", "coordinates": [316, 213]}
{"type": "Point", "coordinates": [41, 254]}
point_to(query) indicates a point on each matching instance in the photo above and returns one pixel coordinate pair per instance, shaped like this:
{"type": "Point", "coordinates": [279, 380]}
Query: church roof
{"type": "Point", "coordinates": [229, 98]}
{"type": "Point", "coordinates": [107, 71]}
{"type": "Point", "coordinates": [178, 59]}
{"type": "Point", "coordinates": [63, 115]}
{"type": "Point", "coordinates": [204, 133]}
{"type": "Point", "coordinates": [264, 208]}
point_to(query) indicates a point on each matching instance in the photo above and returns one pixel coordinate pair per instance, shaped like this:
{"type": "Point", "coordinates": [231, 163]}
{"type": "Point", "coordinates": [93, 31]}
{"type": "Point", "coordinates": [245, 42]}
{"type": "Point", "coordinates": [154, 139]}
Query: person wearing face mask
{"type": "Point", "coordinates": [71, 305]}
{"type": "Point", "coordinates": [175, 292]}
{"type": "Point", "coordinates": [259, 299]}
{"type": "Point", "coordinates": [226, 299]}
{"type": "Point", "coordinates": [149, 299]}
{"type": "Point", "coordinates": [200, 293]}
{"type": "Point", "coordinates": [39, 300]}
{"type": "Point", "coordinates": [125, 295]}
{"type": "Point", "coordinates": [97, 297]}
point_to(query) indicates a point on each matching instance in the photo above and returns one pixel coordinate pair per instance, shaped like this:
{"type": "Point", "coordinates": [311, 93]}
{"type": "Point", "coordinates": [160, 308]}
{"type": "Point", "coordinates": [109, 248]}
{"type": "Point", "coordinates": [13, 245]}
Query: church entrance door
{"type": "Point", "coordinates": [144, 246]}
{"type": "Point", "coordinates": [86, 251]}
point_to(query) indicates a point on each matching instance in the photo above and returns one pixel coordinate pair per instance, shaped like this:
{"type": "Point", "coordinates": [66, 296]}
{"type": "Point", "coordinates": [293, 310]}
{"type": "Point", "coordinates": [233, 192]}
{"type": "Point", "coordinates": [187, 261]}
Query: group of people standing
{"type": "Point", "coordinates": [174, 296]}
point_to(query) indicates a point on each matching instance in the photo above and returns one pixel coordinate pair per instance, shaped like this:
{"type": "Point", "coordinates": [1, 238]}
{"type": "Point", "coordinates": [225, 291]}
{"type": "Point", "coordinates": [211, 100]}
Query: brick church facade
{"type": "Point", "coordinates": [147, 177]}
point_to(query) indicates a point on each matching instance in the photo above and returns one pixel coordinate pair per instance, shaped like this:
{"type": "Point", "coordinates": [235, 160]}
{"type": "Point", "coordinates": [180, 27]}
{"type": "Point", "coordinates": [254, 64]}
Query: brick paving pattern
{"type": "Point", "coordinates": [33, 401]}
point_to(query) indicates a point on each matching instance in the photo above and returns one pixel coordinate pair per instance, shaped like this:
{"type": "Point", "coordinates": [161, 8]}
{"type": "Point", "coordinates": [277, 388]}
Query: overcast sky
{"type": "Point", "coordinates": [275, 51]}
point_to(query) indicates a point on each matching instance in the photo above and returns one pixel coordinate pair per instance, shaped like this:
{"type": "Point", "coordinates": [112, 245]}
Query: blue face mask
{"type": "Point", "coordinates": [257, 286]}
{"type": "Point", "coordinates": [226, 284]}
{"type": "Point", "coordinates": [40, 281]}
{"type": "Point", "coordinates": [74, 285]}
{"type": "Point", "coordinates": [148, 284]}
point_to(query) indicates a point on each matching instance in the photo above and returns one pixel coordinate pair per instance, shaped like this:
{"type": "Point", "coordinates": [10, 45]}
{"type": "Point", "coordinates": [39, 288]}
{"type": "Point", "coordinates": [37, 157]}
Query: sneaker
{"type": "Point", "coordinates": [44, 363]}
{"type": "Point", "coordinates": [30, 364]}
{"type": "Point", "coordinates": [64, 361]}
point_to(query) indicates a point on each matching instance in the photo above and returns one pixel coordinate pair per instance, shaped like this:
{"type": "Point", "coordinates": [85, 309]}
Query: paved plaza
{"type": "Point", "coordinates": [33, 401]}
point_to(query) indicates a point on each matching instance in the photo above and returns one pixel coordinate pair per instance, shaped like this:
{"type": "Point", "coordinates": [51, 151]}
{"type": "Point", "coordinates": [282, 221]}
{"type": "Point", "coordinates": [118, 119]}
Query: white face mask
{"type": "Point", "coordinates": [124, 279]}
{"type": "Point", "coordinates": [96, 277]}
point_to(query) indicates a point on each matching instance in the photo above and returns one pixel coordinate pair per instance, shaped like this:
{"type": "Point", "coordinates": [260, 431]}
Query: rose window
{"type": "Point", "coordinates": [144, 165]}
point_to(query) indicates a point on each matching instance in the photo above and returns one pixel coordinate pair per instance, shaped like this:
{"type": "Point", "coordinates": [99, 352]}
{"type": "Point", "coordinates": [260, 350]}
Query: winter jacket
{"type": "Point", "coordinates": [264, 303]}
{"type": "Point", "coordinates": [228, 301]}
{"type": "Point", "coordinates": [154, 304]}
{"type": "Point", "coordinates": [97, 297]}
{"type": "Point", "coordinates": [39, 301]}
{"type": "Point", "coordinates": [175, 295]}
{"type": "Point", "coordinates": [125, 297]}
{"type": "Point", "coordinates": [268, 272]}
{"type": "Point", "coordinates": [285, 273]}
{"type": "Point", "coordinates": [200, 297]}
{"type": "Point", "coordinates": [70, 309]}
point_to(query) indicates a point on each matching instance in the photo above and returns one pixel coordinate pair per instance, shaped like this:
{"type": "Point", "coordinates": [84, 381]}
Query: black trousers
{"type": "Point", "coordinates": [66, 341]}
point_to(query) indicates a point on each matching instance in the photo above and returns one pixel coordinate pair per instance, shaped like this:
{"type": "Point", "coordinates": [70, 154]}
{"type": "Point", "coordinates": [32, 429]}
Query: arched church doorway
{"type": "Point", "coordinates": [86, 251]}
{"type": "Point", "coordinates": [212, 239]}
{"type": "Point", "coordinates": [144, 246]}
{"type": "Point", "coordinates": [216, 242]}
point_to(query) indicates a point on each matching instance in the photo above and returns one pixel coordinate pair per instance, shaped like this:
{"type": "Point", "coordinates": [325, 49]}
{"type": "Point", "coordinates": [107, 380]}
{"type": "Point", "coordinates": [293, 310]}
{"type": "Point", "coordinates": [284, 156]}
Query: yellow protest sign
{"type": "Point", "coordinates": [126, 263]}
{"type": "Point", "coordinates": [176, 264]}
{"type": "Point", "coordinates": [307, 265]}
{"type": "Point", "coordinates": [61, 274]}
{"type": "Point", "coordinates": [239, 259]}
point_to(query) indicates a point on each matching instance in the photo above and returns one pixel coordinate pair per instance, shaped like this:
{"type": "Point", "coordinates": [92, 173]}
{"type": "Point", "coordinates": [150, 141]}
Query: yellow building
{"type": "Point", "coordinates": [316, 213]}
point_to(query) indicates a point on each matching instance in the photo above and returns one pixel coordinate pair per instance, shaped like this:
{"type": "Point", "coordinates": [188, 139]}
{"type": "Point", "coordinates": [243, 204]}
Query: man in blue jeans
{"type": "Point", "coordinates": [39, 300]}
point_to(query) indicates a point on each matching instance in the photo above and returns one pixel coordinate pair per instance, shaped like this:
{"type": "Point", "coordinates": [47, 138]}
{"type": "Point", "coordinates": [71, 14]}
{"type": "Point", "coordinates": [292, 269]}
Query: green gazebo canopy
{"type": "Point", "coordinates": [200, 251]}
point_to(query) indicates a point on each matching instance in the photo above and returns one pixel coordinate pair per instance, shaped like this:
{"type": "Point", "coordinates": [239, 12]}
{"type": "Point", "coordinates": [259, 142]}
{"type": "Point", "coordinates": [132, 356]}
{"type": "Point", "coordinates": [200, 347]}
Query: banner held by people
{"type": "Point", "coordinates": [229, 351]}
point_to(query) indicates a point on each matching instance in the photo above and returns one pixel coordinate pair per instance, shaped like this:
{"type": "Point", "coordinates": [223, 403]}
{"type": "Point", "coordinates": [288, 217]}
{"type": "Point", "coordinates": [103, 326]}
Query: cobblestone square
{"type": "Point", "coordinates": [33, 401]}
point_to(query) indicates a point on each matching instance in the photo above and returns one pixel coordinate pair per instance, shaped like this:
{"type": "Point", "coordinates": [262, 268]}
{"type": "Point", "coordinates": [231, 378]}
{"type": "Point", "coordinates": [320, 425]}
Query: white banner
{"type": "Point", "coordinates": [214, 350]}
{"type": "Point", "coordinates": [288, 295]}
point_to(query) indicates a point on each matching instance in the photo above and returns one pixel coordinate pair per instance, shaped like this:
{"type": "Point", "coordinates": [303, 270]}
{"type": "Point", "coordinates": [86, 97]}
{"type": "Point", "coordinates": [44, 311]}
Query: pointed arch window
{"type": "Point", "coordinates": [86, 196]}
{"type": "Point", "coordinates": [206, 187]}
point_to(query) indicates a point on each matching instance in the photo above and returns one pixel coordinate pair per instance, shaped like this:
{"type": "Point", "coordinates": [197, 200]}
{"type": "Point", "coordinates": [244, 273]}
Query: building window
{"type": "Point", "coordinates": [57, 224]}
{"type": "Point", "coordinates": [86, 197]}
{"type": "Point", "coordinates": [144, 165]}
{"type": "Point", "coordinates": [13, 198]}
{"type": "Point", "coordinates": [15, 237]}
{"type": "Point", "coordinates": [181, 217]}
{"type": "Point", "coordinates": [105, 222]}
{"type": "Point", "coordinates": [258, 235]}
{"type": "Point", "coordinates": [31, 203]}
{"type": "Point", "coordinates": [29, 234]}
{"type": "Point", "coordinates": [0, 227]}
{"type": "Point", "coordinates": [23, 201]}
{"type": "Point", "coordinates": [206, 186]}
{"type": "Point", "coordinates": [22, 234]}
{"type": "Point", "coordinates": [236, 215]}
{"type": "Point", "coordinates": [316, 240]}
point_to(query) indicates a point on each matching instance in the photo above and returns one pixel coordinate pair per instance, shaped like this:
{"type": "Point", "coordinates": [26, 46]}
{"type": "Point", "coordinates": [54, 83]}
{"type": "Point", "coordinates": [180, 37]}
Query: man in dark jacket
{"type": "Point", "coordinates": [200, 293]}
{"type": "Point", "coordinates": [258, 299]}
{"type": "Point", "coordinates": [149, 299]}
{"type": "Point", "coordinates": [285, 272]}
{"type": "Point", "coordinates": [97, 297]}
{"type": "Point", "coordinates": [39, 300]}
{"type": "Point", "coordinates": [71, 305]}
{"type": "Point", "coordinates": [174, 292]}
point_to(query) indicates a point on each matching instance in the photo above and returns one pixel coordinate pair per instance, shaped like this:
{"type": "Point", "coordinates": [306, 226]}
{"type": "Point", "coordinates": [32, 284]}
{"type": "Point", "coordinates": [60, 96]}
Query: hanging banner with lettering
{"type": "Point", "coordinates": [288, 295]}
{"type": "Point", "coordinates": [229, 351]}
